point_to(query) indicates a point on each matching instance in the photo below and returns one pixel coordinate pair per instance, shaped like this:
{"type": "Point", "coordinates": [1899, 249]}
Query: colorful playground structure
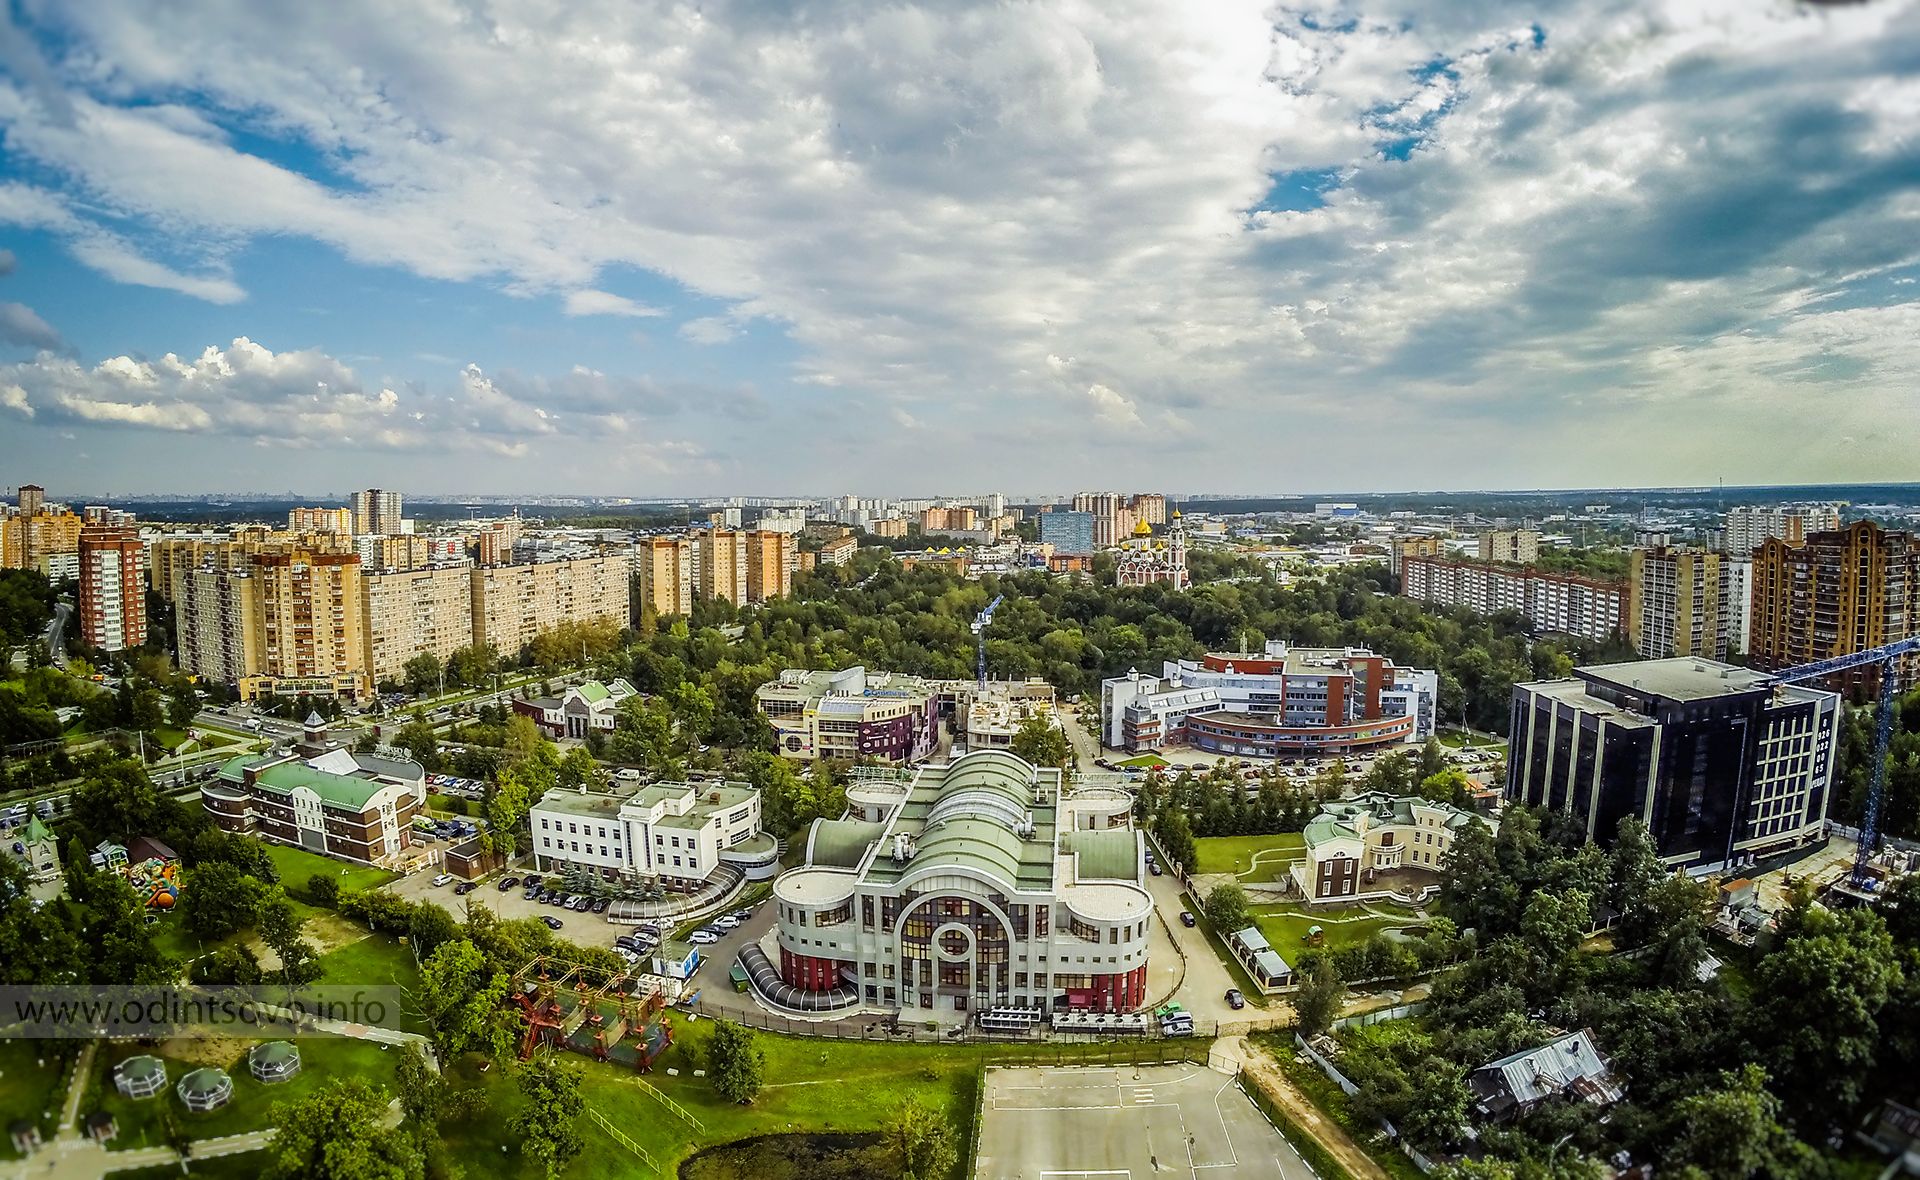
{"type": "Point", "coordinates": [621, 1020]}
{"type": "Point", "coordinates": [155, 881]}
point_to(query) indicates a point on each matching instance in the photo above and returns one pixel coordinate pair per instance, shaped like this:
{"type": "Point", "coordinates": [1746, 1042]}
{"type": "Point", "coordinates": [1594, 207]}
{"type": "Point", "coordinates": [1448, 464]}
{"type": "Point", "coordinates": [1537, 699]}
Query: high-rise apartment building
{"type": "Point", "coordinates": [770, 562]}
{"type": "Point", "coordinates": [375, 511]}
{"type": "Point", "coordinates": [891, 527]}
{"type": "Point", "coordinates": [1843, 591]}
{"type": "Point", "coordinates": [321, 520]}
{"type": "Point", "coordinates": [514, 603]}
{"type": "Point", "coordinates": [35, 531]}
{"type": "Point", "coordinates": [720, 565]}
{"type": "Point", "coordinates": [1402, 548]}
{"type": "Point", "coordinates": [665, 571]}
{"type": "Point", "coordinates": [1519, 546]}
{"type": "Point", "coordinates": [312, 622]}
{"type": "Point", "coordinates": [409, 612]}
{"type": "Point", "coordinates": [217, 621]}
{"type": "Point", "coordinates": [1688, 602]}
{"type": "Point", "coordinates": [1149, 507]}
{"type": "Point", "coordinates": [1747, 528]}
{"type": "Point", "coordinates": [113, 587]}
{"type": "Point", "coordinates": [948, 520]}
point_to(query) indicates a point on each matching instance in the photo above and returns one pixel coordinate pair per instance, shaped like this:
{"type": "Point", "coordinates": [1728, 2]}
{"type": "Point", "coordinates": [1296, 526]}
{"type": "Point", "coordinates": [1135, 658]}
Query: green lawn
{"type": "Point", "coordinates": [1145, 761]}
{"type": "Point", "coordinates": [321, 1058]}
{"type": "Point", "coordinates": [1236, 854]}
{"type": "Point", "coordinates": [1286, 925]}
{"type": "Point", "coordinates": [30, 1089]}
{"type": "Point", "coordinates": [295, 865]}
{"type": "Point", "coordinates": [378, 960]}
{"type": "Point", "coordinates": [244, 1166]}
{"type": "Point", "coordinates": [810, 1085]}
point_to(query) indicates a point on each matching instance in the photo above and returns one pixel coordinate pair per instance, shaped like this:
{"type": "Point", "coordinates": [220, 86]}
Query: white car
{"type": "Point", "coordinates": [442, 879]}
{"type": "Point", "coordinates": [703, 938]}
{"type": "Point", "coordinates": [726, 921]}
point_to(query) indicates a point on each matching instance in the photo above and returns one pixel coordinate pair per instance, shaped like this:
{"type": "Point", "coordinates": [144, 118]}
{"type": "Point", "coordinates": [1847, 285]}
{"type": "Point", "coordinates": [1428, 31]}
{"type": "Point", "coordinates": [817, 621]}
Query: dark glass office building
{"type": "Point", "coordinates": [1722, 763]}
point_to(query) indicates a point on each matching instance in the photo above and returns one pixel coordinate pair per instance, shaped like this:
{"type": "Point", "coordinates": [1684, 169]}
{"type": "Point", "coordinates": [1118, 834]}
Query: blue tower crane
{"type": "Point", "coordinates": [1888, 659]}
{"type": "Point", "coordinates": [980, 622]}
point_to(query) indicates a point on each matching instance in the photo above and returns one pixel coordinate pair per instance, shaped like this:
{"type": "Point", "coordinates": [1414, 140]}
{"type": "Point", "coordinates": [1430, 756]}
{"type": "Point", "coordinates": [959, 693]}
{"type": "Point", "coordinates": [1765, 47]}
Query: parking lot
{"type": "Point", "coordinates": [585, 929]}
{"type": "Point", "coordinates": [1140, 1123]}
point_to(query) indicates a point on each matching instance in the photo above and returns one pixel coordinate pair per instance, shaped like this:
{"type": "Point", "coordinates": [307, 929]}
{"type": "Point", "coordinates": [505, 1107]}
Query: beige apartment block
{"type": "Point", "coordinates": [413, 611]}
{"type": "Point", "coordinates": [770, 562]}
{"type": "Point", "coordinates": [320, 520]}
{"type": "Point", "coordinates": [665, 567]}
{"type": "Point", "coordinates": [312, 618]}
{"type": "Point", "coordinates": [513, 603]}
{"type": "Point", "coordinates": [720, 564]}
{"type": "Point", "coordinates": [895, 527]}
{"type": "Point", "coordinates": [1519, 546]}
{"type": "Point", "coordinates": [26, 540]}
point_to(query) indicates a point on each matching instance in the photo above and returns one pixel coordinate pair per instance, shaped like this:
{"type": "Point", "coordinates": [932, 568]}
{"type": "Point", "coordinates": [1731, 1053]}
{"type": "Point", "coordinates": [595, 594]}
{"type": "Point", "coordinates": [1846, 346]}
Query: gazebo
{"type": "Point", "coordinates": [206, 1088]}
{"type": "Point", "coordinates": [275, 1061]}
{"type": "Point", "coordinates": [25, 1136]}
{"type": "Point", "coordinates": [140, 1077]}
{"type": "Point", "coordinates": [101, 1127]}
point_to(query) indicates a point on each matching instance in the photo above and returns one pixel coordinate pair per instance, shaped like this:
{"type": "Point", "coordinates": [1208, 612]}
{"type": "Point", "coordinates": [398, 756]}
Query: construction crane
{"type": "Point", "coordinates": [980, 622]}
{"type": "Point", "coordinates": [1888, 659]}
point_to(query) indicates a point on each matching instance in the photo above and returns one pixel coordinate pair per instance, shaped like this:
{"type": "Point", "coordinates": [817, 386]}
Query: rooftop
{"type": "Point", "coordinates": [1681, 679]}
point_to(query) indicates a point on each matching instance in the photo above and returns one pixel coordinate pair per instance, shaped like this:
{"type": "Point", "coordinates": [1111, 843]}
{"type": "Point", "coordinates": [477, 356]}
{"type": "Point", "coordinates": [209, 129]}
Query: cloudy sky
{"type": "Point", "coordinates": [642, 248]}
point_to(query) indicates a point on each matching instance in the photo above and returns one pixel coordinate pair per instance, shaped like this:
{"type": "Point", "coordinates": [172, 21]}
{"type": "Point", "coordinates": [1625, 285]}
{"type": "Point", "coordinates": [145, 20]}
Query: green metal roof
{"type": "Point", "coordinates": [341, 790]}
{"type": "Point", "coordinates": [594, 691]}
{"type": "Point", "coordinates": [144, 1066]}
{"type": "Point", "coordinates": [205, 1080]}
{"type": "Point", "coordinates": [840, 843]}
{"type": "Point", "coordinates": [1106, 854]}
{"type": "Point", "coordinates": [274, 1051]}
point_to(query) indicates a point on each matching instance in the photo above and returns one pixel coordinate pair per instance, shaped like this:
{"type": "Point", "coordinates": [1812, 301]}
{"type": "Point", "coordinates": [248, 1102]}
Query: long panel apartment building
{"type": "Point", "coordinates": [1721, 763]}
{"type": "Point", "coordinates": [1565, 604]}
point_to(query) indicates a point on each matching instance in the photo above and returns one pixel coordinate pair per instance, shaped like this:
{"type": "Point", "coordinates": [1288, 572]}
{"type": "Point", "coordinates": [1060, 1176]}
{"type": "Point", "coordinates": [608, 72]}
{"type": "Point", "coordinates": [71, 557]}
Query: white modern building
{"type": "Point", "coordinates": [679, 834]}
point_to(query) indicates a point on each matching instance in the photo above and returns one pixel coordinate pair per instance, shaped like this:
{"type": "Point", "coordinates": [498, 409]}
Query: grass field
{"type": "Point", "coordinates": [1236, 854]}
{"type": "Point", "coordinates": [810, 1086]}
{"type": "Point", "coordinates": [321, 1058]}
{"type": "Point", "coordinates": [295, 865]}
{"type": "Point", "coordinates": [29, 1089]}
{"type": "Point", "coordinates": [378, 960]}
{"type": "Point", "coordinates": [1286, 926]}
{"type": "Point", "coordinates": [1145, 761]}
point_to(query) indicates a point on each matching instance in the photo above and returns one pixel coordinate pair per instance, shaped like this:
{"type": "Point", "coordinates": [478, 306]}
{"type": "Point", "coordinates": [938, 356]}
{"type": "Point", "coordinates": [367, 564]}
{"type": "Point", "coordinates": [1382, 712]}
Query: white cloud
{"type": "Point", "coordinates": [1527, 210]}
{"type": "Point", "coordinates": [707, 330]}
{"type": "Point", "coordinates": [592, 302]}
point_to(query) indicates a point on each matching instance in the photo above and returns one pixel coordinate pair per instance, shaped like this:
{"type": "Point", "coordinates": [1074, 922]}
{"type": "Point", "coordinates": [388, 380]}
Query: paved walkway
{"type": "Point", "coordinates": [1231, 1053]}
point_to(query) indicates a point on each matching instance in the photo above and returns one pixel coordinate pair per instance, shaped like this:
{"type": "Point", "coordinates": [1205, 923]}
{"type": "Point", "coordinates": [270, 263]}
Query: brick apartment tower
{"type": "Point", "coordinates": [113, 599]}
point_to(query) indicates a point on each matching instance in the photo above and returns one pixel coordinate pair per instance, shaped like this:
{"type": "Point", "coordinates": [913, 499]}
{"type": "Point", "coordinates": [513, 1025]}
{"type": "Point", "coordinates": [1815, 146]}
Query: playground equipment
{"type": "Point", "coordinates": [620, 1019]}
{"type": "Point", "coordinates": [155, 881]}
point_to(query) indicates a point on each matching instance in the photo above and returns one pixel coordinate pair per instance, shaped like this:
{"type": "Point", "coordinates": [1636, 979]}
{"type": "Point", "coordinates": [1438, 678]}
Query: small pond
{"type": "Point", "coordinates": [793, 1157]}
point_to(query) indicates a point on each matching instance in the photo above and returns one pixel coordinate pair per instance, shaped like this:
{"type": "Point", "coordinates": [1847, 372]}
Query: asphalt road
{"type": "Point", "coordinates": [57, 634]}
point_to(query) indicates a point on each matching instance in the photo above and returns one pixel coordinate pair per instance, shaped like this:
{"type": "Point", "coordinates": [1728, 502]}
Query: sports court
{"type": "Point", "coordinates": [1127, 1123]}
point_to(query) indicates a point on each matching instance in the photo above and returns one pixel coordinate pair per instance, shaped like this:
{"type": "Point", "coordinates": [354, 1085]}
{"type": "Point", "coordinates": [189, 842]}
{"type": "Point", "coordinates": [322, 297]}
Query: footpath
{"type": "Point", "coordinates": [1264, 1073]}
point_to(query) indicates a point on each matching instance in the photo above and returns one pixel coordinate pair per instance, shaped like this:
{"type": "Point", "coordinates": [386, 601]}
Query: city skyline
{"type": "Point", "coordinates": [1473, 246]}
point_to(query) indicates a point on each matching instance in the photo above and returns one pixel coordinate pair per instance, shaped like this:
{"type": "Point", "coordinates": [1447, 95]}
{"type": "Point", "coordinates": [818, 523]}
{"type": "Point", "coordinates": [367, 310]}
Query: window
{"type": "Point", "coordinates": [660, 841]}
{"type": "Point", "coordinates": [872, 971]}
{"type": "Point", "coordinates": [573, 830]}
{"type": "Point", "coordinates": [576, 845]}
{"type": "Point", "coordinates": [603, 833]}
{"type": "Point", "coordinates": [676, 841]}
{"type": "Point", "coordinates": [676, 862]}
{"type": "Point", "coordinates": [543, 825]}
{"type": "Point", "coordinates": [545, 842]}
{"type": "Point", "coordinates": [889, 975]}
{"type": "Point", "coordinates": [603, 850]}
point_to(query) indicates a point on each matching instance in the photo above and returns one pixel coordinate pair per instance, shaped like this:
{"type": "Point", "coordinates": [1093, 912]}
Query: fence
{"type": "Point", "coordinates": [873, 1028]}
{"type": "Point", "coordinates": [1318, 1159]}
{"type": "Point", "coordinates": [1377, 1015]}
{"type": "Point", "coordinates": [624, 1140]}
{"type": "Point", "coordinates": [1349, 1089]}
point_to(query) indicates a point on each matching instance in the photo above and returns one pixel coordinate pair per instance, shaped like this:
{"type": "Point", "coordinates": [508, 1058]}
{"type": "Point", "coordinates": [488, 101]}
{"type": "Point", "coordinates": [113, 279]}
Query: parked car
{"type": "Point", "coordinates": [552, 922]}
{"type": "Point", "coordinates": [742, 914]}
{"type": "Point", "coordinates": [629, 941]}
{"type": "Point", "coordinates": [1187, 918]}
{"type": "Point", "coordinates": [531, 881]}
{"type": "Point", "coordinates": [703, 938]}
{"type": "Point", "coordinates": [1235, 1000]}
{"type": "Point", "coordinates": [532, 894]}
{"type": "Point", "coordinates": [442, 879]}
{"type": "Point", "coordinates": [624, 953]}
{"type": "Point", "coordinates": [465, 887]}
{"type": "Point", "coordinates": [579, 903]}
{"type": "Point", "coordinates": [602, 905]}
{"type": "Point", "coordinates": [1153, 868]}
{"type": "Point", "coordinates": [726, 922]}
{"type": "Point", "coordinates": [507, 883]}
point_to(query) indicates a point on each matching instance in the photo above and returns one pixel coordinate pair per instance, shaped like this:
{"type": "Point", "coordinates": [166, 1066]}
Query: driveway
{"type": "Point", "coordinates": [585, 929]}
{"type": "Point", "coordinates": [1204, 993]}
